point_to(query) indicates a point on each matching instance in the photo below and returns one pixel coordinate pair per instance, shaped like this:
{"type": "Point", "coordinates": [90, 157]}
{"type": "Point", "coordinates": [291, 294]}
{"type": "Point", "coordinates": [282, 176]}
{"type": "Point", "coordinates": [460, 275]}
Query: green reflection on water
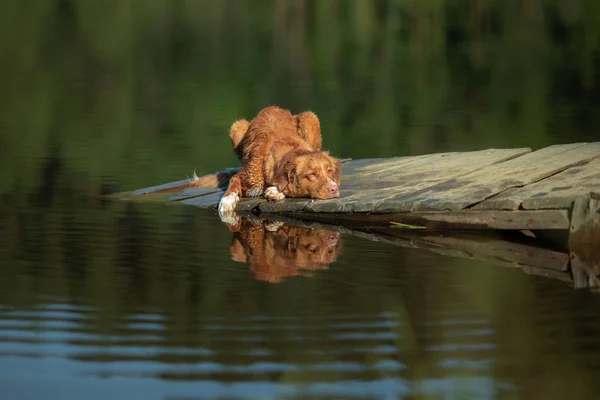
{"type": "Point", "coordinates": [160, 289]}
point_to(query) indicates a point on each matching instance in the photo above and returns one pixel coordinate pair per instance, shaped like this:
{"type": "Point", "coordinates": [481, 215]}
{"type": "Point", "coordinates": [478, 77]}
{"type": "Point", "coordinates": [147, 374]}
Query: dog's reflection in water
{"type": "Point", "coordinates": [276, 250]}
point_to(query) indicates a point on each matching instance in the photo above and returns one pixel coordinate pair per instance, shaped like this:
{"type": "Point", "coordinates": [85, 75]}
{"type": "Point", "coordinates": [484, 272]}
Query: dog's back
{"type": "Point", "coordinates": [273, 124]}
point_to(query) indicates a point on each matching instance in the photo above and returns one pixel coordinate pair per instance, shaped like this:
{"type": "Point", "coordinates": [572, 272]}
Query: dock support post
{"type": "Point", "coordinates": [584, 241]}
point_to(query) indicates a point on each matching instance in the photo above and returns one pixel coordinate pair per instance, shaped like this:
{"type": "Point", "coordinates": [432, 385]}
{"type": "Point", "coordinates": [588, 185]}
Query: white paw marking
{"type": "Point", "coordinates": [272, 194]}
{"type": "Point", "coordinates": [228, 202]}
{"type": "Point", "coordinates": [273, 226]}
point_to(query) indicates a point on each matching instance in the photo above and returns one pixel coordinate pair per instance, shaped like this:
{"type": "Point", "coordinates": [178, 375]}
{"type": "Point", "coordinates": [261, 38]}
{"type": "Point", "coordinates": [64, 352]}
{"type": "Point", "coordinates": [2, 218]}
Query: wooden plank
{"type": "Point", "coordinates": [584, 238]}
{"type": "Point", "coordinates": [207, 201]}
{"type": "Point", "coordinates": [367, 165]}
{"type": "Point", "coordinates": [479, 220]}
{"type": "Point", "coordinates": [586, 215]}
{"type": "Point", "coordinates": [166, 186]}
{"type": "Point", "coordinates": [216, 181]}
{"type": "Point", "coordinates": [408, 177]}
{"type": "Point", "coordinates": [193, 192]}
{"type": "Point", "coordinates": [472, 188]}
{"type": "Point", "coordinates": [557, 191]}
{"type": "Point", "coordinates": [517, 220]}
{"type": "Point", "coordinates": [222, 177]}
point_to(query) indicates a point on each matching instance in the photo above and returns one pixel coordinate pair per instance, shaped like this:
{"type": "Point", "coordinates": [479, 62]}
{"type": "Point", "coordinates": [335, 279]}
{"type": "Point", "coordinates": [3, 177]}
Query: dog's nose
{"type": "Point", "coordinates": [333, 189]}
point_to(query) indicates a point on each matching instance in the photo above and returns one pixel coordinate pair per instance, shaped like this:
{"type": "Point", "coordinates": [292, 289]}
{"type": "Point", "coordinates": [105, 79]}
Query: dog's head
{"type": "Point", "coordinates": [315, 175]}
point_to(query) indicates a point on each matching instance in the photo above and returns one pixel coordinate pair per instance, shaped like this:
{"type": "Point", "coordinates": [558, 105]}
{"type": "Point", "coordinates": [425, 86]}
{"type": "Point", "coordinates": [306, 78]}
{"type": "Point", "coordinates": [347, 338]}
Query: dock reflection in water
{"type": "Point", "coordinates": [275, 250]}
{"type": "Point", "coordinates": [144, 301]}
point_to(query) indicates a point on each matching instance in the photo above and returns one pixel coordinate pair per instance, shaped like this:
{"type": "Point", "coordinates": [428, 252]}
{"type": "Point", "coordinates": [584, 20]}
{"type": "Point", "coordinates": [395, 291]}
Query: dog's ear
{"type": "Point", "coordinates": [281, 180]}
{"type": "Point", "coordinates": [285, 175]}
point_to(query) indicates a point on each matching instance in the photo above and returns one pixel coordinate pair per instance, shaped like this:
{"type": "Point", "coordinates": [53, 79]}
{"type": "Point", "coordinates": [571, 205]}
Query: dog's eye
{"type": "Point", "coordinates": [311, 248]}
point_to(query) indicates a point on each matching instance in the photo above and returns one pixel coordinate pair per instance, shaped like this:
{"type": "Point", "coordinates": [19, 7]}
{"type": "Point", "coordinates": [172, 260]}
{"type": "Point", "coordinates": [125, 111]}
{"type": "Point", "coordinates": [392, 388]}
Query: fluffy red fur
{"type": "Point", "coordinates": [281, 157]}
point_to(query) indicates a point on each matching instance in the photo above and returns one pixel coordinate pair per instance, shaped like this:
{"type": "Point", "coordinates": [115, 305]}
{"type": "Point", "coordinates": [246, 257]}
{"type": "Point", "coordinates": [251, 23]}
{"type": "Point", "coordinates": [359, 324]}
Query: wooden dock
{"type": "Point", "coordinates": [552, 195]}
{"type": "Point", "coordinates": [488, 189]}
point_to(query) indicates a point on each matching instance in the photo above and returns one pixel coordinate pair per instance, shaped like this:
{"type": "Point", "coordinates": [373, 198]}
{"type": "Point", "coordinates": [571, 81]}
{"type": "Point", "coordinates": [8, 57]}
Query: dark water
{"type": "Point", "coordinates": [157, 302]}
{"type": "Point", "coordinates": [99, 299]}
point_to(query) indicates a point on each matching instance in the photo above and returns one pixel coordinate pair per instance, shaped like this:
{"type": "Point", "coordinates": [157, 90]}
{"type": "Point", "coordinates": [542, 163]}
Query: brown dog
{"type": "Point", "coordinates": [281, 157]}
{"type": "Point", "coordinates": [276, 251]}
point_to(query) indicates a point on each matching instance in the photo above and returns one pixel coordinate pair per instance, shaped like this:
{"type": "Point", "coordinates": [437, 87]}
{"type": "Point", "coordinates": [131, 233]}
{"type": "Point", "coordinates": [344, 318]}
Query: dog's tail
{"type": "Point", "coordinates": [216, 180]}
{"type": "Point", "coordinates": [236, 134]}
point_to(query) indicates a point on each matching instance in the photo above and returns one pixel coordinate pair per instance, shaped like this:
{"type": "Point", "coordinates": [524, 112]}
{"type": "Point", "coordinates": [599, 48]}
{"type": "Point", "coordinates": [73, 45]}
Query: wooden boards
{"type": "Point", "coordinates": [555, 192]}
{"type": "Point", "coordinates": [370, 188]}
{"type": "Point", "coordinates": [487, 189]}
{"type": "Point", "coordinates": [457, 181]}
{"type": "Point", "coordinates": [478, 186]}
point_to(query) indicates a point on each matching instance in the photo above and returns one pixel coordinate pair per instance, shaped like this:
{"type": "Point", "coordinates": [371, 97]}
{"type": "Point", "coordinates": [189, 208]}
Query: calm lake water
{"type": "Point", "coordinates": [164, 302]}
{"type": "Point", "coordinates": [102, 299]}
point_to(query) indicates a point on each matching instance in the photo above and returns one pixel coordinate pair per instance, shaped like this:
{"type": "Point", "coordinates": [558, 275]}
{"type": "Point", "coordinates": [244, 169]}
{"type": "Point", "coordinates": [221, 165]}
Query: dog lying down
{"type": "Point", "coordinates": [281, 157]}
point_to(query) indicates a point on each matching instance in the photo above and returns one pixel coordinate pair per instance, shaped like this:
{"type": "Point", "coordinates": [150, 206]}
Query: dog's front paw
{"type": "Point", "coordinates": [272, 194]}
{"type": "Point", "coordinates": [228, 202]}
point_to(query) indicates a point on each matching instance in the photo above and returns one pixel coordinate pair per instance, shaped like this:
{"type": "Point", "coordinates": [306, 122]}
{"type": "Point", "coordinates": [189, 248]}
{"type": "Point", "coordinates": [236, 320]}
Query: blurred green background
{"type": "Point", "coordinates": [131, 93]}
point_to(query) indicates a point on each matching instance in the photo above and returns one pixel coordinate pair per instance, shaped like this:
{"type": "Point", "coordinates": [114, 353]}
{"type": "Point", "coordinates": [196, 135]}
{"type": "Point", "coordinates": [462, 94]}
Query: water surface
{"type": "Point", "coordinates": [155, 302]}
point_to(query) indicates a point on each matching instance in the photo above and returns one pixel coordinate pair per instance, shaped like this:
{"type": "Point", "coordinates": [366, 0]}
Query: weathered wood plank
{"type": "Point", "coordinates": [412, 176]}
{"type": "Point", "coordinates": [584, 235]}
{"type": "Point", "coordinates": [214, 180]}
{"type": "Point", "coordinates": [370, 165]}
{"type": "Point", "coordinates": [193, 192]}
{"type": "Point", "coordinates": [501, 220]}
{"type": "Point", "coordinates": [179, 190]}
{"type": "Point", "coordinates": [207, 201]}
{"type": "Point", "coordinates": [518, 220]}
{"type": "Point", "coordinates": [472, 188]}
{"type": "Point", "coordinates": [586, 214]}
{"type": "Point", "coordinates": [166, 186]}
{"type": "Point", "coordinates": [557, 191]}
